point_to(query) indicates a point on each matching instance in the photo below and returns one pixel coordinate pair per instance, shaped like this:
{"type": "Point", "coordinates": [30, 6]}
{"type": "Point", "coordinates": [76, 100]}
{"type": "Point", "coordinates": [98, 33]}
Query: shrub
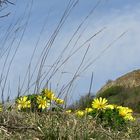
{"type": "Point", "coordinates": [111, 91]}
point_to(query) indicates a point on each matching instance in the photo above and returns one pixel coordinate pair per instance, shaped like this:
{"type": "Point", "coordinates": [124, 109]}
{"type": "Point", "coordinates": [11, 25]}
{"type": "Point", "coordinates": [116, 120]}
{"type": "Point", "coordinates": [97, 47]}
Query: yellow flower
{"type": "Point", "coordinates": [42, 102]}
{"type": "Point", "coordinates": [68, 111]}
{"type": "Point", "coordinates": [49, 94]}
{"type": "Point", "coordinates": [99, 103]}
{"type": "Point", "coordinates": [110, 106]}
{"type": "Point", "coordinates": [129, 117]}
{"type": "Point", "coordinates": [23, 103]}
{"type": "Point", "coordinates": [80, 113]}
{"type": "Point", "coordinates": [59, 101]}
{"type": "Point", "coordinates": [123, 111]}
{"type": "Point", "coordinates": [88, 110]}
{"type": "Point", "coordinates": [126, 113]}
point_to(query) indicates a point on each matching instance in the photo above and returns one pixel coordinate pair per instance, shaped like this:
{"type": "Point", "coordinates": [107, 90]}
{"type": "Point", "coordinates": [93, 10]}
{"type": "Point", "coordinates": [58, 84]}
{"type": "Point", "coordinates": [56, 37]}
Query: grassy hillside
{"type": "Point", "coordinates": [123, 96]}
{"type": "Point", "coordinates": [124, 91]}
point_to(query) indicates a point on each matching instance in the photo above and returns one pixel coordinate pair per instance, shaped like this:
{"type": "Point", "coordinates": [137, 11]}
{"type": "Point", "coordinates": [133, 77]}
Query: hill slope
{"type": "Point", "coordinates": [123, 91]}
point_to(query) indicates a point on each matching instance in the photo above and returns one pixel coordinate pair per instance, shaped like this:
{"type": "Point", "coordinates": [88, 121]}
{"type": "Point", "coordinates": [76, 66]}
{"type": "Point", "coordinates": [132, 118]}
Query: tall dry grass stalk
{"type": "Point", "coordinates": [36, 77]}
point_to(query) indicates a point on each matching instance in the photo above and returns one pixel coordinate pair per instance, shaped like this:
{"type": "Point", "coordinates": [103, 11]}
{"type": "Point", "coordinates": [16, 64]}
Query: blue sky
{"type": "Point", "coordinates": [117, 16]}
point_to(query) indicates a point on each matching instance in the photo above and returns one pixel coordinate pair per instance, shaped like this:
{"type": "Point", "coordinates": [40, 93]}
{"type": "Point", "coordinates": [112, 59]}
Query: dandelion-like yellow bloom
{"type": "Point", "coordinates": [123, 111]}
{"type": "Point", "coordinates": [68, 111]}
{"type": "Point", "coordinates": [126, 113]}
{"type": "Point", "coordinates": [110, 106]}
{"type": "Point", "coordinates": [88, 110]}
{"type": "Point", "coordinates": [23, 103]}
{"type": "Point", "coordinates": [129, 117]}
{"type": "Point", "coordinates": [59, 101]}
{"type": "Point", "coordinates": [49, 94]}
{"type": "Point", "coordinates": [42, 102]}
{"type": "Point", "coordinates": [80, 113]}
{"type": "Point", "coordinates": [99, 103]}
